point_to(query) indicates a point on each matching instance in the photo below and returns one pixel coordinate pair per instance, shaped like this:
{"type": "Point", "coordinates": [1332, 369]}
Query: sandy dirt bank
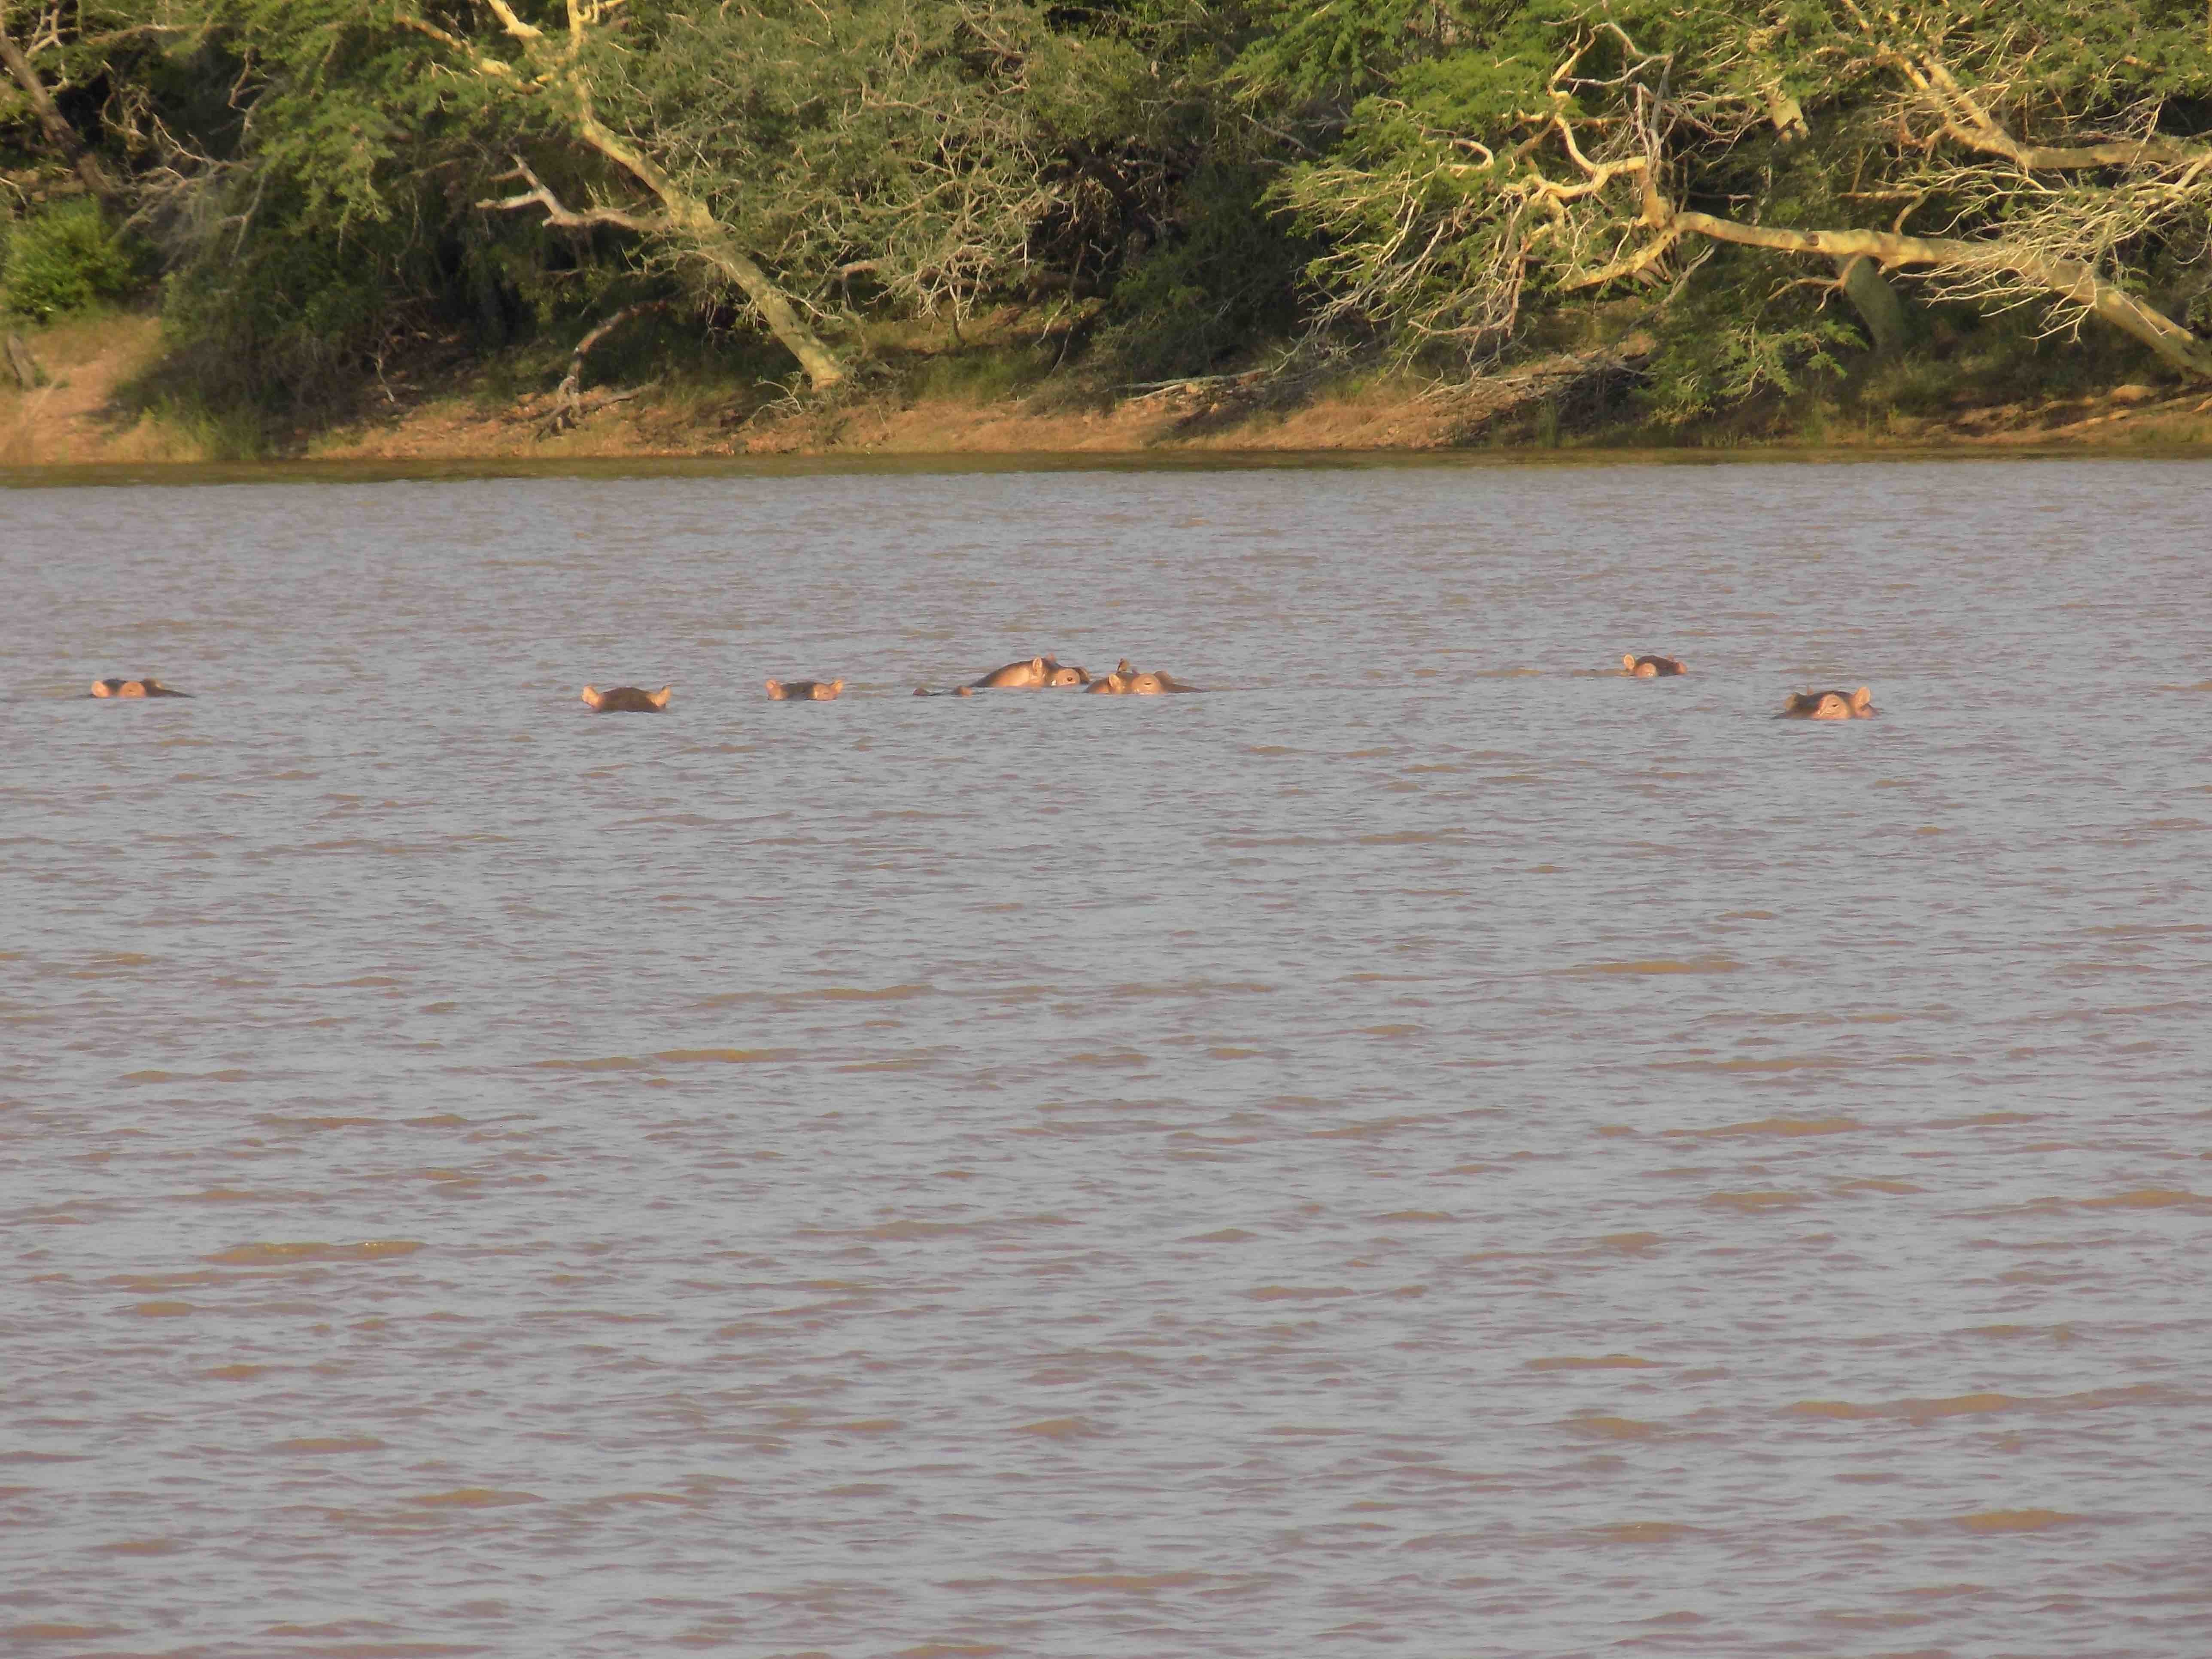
{"type": "Point", "coordinates": [85, 414]}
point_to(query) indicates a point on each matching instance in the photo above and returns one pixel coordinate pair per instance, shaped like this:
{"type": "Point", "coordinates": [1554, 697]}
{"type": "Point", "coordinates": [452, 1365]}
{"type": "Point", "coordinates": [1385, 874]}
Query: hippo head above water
{"type": "Point", "coordinates": [628, 700]}
{"type": "Point", "coordinates": [1652, 668]}
{"type": "Point", "coordinates": [1829, 705]}
{"type": "Point", "coordinates": [147, 687]}
{"type": "Point", "coordinates": [804, 690]}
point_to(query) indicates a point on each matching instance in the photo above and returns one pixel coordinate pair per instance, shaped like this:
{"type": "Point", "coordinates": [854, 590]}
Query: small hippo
{"type": "Point", "coordinates": [804, 690]}
{"type": "Point", "coordinates": [628, 700]}
{"type": "Point", "coordinates": [1652, 668]}
{"type": "Point", "coordinates": [148, 687]}
{"type": "Point", "coordinates": [1828, 705]}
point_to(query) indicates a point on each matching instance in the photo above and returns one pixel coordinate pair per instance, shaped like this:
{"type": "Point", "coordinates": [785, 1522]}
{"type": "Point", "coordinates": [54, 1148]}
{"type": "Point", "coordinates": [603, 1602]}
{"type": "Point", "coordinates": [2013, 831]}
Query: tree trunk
{"type": "Point", "coordinates": [2065, 279]}
{"type": "Point", "coordinates": [691, 216]}
{"type": "Point", "coordinates": [1877, 303]}
{"type": "Point", "coordinates": [60, 133]}
{"type": "Point", "coordinates": [24, 366]}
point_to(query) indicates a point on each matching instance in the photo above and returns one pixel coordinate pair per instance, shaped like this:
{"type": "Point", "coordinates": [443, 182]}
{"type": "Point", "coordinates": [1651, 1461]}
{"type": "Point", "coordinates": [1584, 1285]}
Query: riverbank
{"type": "Point", "coordinates": [101, 401]}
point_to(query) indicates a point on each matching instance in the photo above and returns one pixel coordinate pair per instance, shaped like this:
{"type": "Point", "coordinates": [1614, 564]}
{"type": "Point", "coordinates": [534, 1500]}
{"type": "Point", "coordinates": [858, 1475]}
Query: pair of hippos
{"type": "Point", "coordinates": [1800, 706]}
{"type": "Point", "coordinates": [630, 700]}
{"type": "Point", "coordinates": [1048, 674]}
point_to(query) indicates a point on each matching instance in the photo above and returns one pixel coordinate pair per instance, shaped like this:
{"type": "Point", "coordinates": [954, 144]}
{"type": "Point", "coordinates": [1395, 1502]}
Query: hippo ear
{"type": "Point", "coordinates": [1628, 660]}
{"type": "Point", "coordinates": [1037, 663]}
{"type": "Point", "coordinates": [1861, 698]}
{"type": "Point", "coordinates": [836, 686]}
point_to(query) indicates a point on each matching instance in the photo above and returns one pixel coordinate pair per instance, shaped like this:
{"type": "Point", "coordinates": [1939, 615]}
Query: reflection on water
{"type": "Point", "coordinates": [1432, 1145]}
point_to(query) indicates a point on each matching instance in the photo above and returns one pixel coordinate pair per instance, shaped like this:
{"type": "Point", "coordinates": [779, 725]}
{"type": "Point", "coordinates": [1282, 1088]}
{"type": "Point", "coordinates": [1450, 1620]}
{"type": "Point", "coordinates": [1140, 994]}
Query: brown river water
{"type": "Point", "coordinates": [1429, 1147]}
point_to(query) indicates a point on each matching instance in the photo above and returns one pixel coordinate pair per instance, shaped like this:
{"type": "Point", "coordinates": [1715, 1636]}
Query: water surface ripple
{"type": "Point", "coordinates": [1429, 1147]}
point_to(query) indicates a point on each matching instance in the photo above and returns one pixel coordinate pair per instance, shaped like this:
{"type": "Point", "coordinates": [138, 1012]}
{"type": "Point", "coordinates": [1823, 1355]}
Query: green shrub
{"type": "Point", "coordinates": [63, 258]}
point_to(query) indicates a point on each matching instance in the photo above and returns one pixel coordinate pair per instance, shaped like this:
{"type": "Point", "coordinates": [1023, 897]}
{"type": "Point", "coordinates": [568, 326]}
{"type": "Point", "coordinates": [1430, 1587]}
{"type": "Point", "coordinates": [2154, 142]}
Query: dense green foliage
{"type": "Point", "coordinates": [63, 258]}
{"type": "Point", "coordinates": [1175, 186]}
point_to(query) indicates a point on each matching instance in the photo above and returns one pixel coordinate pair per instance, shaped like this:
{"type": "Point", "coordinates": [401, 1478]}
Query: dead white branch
{"type": "Point", "coordinates": [2067, 281]}
{"type": "Point", "coordinates": [539, 195]}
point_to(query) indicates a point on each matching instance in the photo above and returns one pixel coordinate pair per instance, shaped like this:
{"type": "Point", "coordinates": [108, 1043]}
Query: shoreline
{"type": "Point", "coordinates": [94, 421]}
{"type": "Point", "coordinates": [463, 468]}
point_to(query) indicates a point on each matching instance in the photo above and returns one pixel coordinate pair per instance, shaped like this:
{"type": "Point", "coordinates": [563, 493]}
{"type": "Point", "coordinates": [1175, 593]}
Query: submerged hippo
{"type": "Point", "coordinates": [804, 690]}
{"type": "Point", "coordinates": [1828, 705]}
{"type": "Point", "coordinates": [1126, 681]}
{"type": "Point", "coordinates": [1652, 668]}
{"type": "Point", "coordinates": [628, 700]}
{"type": "Point", "coordinates": [148, 687]}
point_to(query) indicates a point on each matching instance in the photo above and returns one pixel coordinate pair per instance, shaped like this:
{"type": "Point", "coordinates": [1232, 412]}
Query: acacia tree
{"type": "Point", "coordinates": [52, 48]}
{"type": "Point", "coordinates": [2018, 151]}
{"type": "Point", "coordinates": [558, 71]}
{"type": "Point", "coordinates": [784, 148]}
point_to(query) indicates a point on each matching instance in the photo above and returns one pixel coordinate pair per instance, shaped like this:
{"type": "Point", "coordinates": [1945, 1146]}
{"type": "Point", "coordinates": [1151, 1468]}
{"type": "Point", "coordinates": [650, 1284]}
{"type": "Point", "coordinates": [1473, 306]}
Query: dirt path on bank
{"type": "Point", "coordinates": [74, 418]}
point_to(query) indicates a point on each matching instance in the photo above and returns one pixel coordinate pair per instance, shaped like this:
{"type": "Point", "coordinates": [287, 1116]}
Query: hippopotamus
{"type": "Point", "coordinates": [804, 690]}
{"type": "Point", "coordinates": [1828, 705]}
{"type": "Point", "coordinates": [148, 687]}
{"type": "Point", "coordinates": [1022, 676]}
{"type": "Point", "coordinates": [1038, 673]}
{"type": "Point", "coordinates": [1126, 681]}
{"type": "Point", "coordinates": [628, 700]}
{"type": "Point", "coordinates": [1652, 668]}
{"type": "Point", "coordinates": [1032, 674]}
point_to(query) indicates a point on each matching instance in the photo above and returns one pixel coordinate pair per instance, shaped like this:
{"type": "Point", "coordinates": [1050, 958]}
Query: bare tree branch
{"type": "Point", "coordinates": [2068, 281]}
{"type": "Point", "coordinates": [540, 195]}
{"type": "Point", "coordinates": [568, 397]}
